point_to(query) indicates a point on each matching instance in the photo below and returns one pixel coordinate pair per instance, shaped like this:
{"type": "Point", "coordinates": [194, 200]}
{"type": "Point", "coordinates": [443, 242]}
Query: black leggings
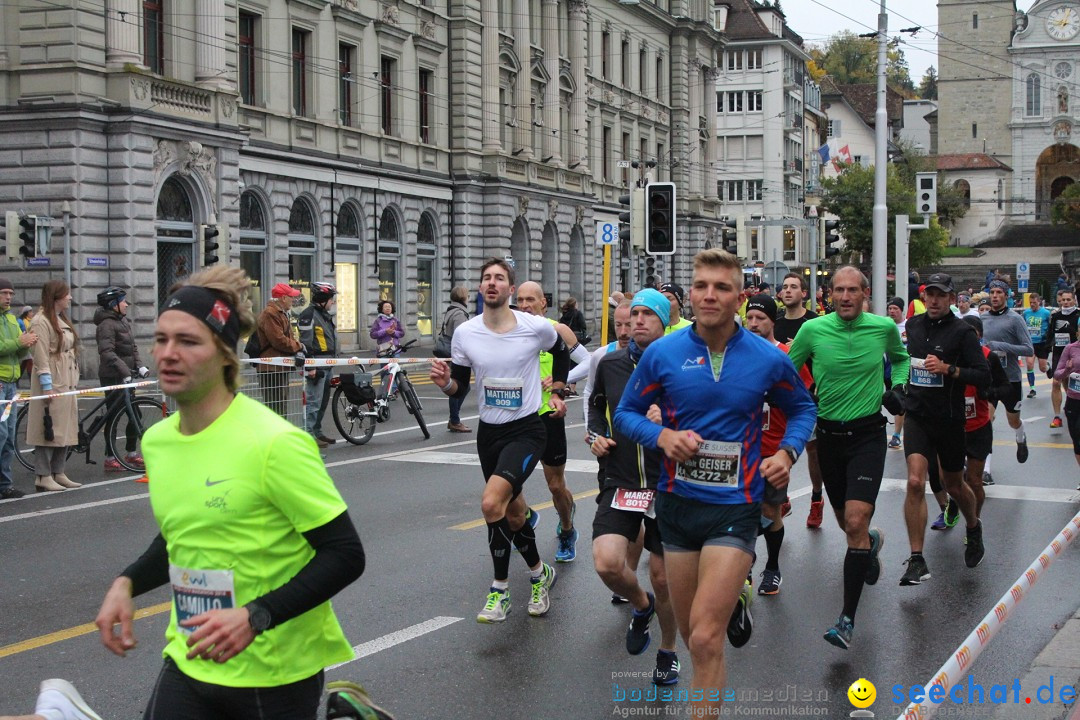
{"type": "Point", "coordinates": [178, 697]}
{"type": "Point", "coordinates": [1072, 415]}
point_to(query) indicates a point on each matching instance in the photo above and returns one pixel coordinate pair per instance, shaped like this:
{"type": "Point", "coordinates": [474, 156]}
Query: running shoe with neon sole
{"type": "Point", "coordinates": [532, 517]}
{"type": "Point", "coordinates": [741, 625]}
{"type": "Point", "coordinates": [567, 551]}
{"type": "Point", "coordinates": [496, 608]}
{"type": "Point", "coordinates": [939, 523]}
{"type": "Point", "coordinates": [637, 634]}
{"type": "Point", "coordinates": [667, 668]}
{"type": "Point", "coordinates": [539, 599]}
{"type": "Point", "coordinates": [840, 633]}
{"type": "Point", "coordinates": [916, 572]}
{"type": "Point", "coordinates": [952, 513]}
{"type": "Point", "coordinates": [59, 700]}
{"type": "Point", "coordinates": [817, 511]}
{"type": "Point", "coordinates": [1055, 424]}
{"type": "Point", "coordinates": [877, 541]}
{"type": "Point", "coordinates": [770, 582]}
{"type": "Point", "coordinates": [348, 700]}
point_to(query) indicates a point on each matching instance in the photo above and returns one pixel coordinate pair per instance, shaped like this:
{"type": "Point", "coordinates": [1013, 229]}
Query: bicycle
{"type": "Point", "coordinates": [137, 412]}
{"type": "Point", "coordinates": [357, 407]}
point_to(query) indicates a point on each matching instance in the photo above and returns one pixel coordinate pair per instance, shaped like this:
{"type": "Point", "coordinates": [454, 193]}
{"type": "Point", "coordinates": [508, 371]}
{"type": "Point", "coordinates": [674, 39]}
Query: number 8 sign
{"type": "Point", "coordinates": [607, 233]}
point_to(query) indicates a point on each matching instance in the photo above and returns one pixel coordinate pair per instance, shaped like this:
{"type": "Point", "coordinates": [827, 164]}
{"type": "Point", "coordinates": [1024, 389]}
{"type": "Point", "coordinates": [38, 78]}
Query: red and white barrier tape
{"type": "Point", "coordinates": [290, 362]}
{"type": "Point", "coordinates": [980, 637]}
{"type": "Point", "coordinates": [8, 404]}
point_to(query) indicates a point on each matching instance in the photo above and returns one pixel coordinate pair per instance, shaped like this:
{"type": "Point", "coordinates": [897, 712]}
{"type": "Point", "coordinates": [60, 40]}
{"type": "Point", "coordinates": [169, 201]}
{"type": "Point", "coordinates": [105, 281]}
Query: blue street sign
{"type": "Point", "coordinates": [38, 262]}
{"type": "Point", "coordinates": [97, 262]}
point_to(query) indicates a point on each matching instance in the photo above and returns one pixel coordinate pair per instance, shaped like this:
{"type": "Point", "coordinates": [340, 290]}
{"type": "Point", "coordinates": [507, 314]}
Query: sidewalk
{"type": "Point", "coordinates": [1059, 659]}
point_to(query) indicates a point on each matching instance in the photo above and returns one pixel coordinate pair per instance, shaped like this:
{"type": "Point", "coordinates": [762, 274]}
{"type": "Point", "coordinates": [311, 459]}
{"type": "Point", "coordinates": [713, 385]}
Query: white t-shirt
{"type": "Point", "coordinates": [505, 368]}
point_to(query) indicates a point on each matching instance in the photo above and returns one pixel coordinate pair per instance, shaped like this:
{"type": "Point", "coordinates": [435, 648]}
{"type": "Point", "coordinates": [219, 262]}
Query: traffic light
{"type": "Point", "coordinates": [28, 236]}
{"type": "Point", "coordinates": [926, 193]}
{"type": "Point", "coordinates": [650, 272]}
{"type": "Point", "coordinates": [11, 234]}
{"type": "Point", "coordinates": [731, 235]}
{"type": "Point", "coordinates": [660, 218]}
{"type": "Point", "coordinates": [208, 244]}
{"type": "Point", "coordinates": [827, 232]}
{"type": "Point", "coordinates": [632, 221]}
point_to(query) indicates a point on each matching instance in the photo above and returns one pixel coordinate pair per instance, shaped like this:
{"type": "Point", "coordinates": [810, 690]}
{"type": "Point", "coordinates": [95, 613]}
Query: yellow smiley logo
{"type": "Point", "coordinates": [862, 693]}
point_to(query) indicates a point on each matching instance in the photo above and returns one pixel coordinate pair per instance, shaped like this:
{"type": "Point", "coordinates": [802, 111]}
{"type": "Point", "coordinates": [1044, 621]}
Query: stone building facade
{"type": "Point", "coordinates": [388, 146]}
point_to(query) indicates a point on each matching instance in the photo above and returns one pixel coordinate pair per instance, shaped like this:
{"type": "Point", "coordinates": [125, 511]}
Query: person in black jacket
{"type": "Point", "coordinates": [945, 357]}
{"type": "Point", "coordinates": [318, 334]}
{"type": "Point", "coordinates": [575, 320]}
{"type": "Point", "coordinates": [118, 362]}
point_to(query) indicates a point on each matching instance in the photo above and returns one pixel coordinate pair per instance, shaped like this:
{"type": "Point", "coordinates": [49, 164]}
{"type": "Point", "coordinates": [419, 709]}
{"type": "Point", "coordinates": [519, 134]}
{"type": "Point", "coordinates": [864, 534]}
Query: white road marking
{"type": "Point", "coordinates": [1002, 492]}
{"type": "Point", "coordinates": [451, 458]}
{"type": "Point", "coordinates": [396, 638]}
{"type": "Point", "coordinates": [1034, 419]}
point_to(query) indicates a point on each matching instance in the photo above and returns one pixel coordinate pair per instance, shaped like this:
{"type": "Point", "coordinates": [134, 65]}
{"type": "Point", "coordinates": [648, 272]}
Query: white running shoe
{"type": "Point", "coordinates": [496, 608]}
{"type": "Point", "coordinates": [59, 700]}
{"type": "Point", "coordinates": [540, 600]}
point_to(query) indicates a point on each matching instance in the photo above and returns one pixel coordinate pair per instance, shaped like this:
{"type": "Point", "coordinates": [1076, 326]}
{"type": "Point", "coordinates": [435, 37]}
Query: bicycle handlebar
{"type": "Point", "coordinates": [394, 352]}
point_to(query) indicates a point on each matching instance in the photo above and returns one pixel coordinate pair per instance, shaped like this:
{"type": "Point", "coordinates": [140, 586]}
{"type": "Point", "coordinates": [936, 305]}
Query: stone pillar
{"type": "Point", "coordinates": [492, 113]}
{"type": "Point", "coordinates": [711, 76]}
{"type": "Point", "coordinates": [579, 141]}
{"type": "Point", "coordinates": [123, 25]}
{"type": "Point", "coordinates": [523, 84]}
{"type": "Point", "coordinates": [695, 89]}
{"type": "Point", "coordinates": [552, 116]}
{"type": "Point", "coordinates": [210, 44]}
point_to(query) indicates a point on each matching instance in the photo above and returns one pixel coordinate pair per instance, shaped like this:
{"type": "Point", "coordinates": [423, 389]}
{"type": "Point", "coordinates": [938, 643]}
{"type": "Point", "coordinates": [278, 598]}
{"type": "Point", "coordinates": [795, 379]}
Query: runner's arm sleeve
{"type": "Point", "coordinates": [597, 419]}
{"type": "Point", "coordinates": [462, 374]}
{"type": "Point", "coordinates": [594, 360]}
{"type": "Point", "coordinates": [580, 355]}
{"type": "Point", "coordinates": [791, 396]}
{"type": "Point", "coordinates": [579, 372]}
{"type": "Point", "coordinates": [641, 391]}
{"type": "Point", "coordinates": [972, 366]}
{"type": "Point", "coordinates": [560, 361]}
{"type": "Point", "coordinates": [339, 559]}
{"type": "Point", "coordinates": [898, 356]}
{"type": "Point", "coordinates": [151, 570]}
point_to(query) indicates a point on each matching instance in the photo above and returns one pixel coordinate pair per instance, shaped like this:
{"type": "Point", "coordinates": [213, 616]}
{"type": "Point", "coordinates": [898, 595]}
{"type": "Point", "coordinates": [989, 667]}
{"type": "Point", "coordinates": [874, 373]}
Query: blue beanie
{"type": "Point", "coordinates": [654, 300]}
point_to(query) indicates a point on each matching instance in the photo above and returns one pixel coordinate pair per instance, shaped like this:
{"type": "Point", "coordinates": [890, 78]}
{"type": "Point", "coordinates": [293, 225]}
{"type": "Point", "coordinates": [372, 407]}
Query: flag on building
{"type": "Point", "coordinates": [823, 151]}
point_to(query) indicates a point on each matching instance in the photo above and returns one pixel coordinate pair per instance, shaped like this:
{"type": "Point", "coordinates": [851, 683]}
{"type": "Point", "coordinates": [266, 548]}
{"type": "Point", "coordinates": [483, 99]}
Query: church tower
{"type": "Point", "coordinates": [975, 77]}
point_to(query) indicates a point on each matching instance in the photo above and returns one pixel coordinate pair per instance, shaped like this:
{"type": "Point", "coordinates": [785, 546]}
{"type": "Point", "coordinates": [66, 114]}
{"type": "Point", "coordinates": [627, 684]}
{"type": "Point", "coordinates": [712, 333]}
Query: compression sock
{"type": "Point", "coordinates": [856, 563]}
{"type": "Point", "coordinates": [815, 496]}
{"type": "Point", "coordinates": [525, 541]}
{"type": "Point", "coordinates": [1021, 436]}
{"type": "Point", "coordinates": [499, 543]}
{"type": "Point", "coordinates": [773, 540]}
{"type": "Point", "coordinates": [1031, 379]}
{"type": "Point", "coordinates": [986, 465]}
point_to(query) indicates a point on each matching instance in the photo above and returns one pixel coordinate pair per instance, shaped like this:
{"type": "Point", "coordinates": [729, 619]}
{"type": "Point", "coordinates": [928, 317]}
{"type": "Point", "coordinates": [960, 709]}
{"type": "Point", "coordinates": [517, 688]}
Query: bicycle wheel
{"type": "Point", "coordinates": [146, 411]}
{"type": "Point", "coordinates": [24, 451]}
{"type": "Point", "coordinates": [412, 403]}
{"type": "Point", "coordinates": [352, 421]}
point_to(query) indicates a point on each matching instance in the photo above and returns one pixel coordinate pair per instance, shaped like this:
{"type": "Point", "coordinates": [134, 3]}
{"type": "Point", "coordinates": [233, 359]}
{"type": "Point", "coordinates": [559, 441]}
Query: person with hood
{"type": "Point", "coordinates": [276, 340]}
{"type": "Point", "coordinates": [118, 362]}
{"type": "Point", "coordinates": [456, 314]}
{"type": "Point", "coordinates": [318, 334]}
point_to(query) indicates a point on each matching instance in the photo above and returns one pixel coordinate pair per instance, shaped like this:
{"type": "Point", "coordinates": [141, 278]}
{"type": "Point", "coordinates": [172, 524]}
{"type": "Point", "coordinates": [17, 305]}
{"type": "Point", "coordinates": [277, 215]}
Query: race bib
{"type": "Point", "coordinates": [198, 591]}
{"type": "Point", "coordinates": [1074, 382]}
{"type": "Point", "coordinates": [1061, 339]}
{"type": "Point", "coordinates": [503, 393]}
{"type": "Point", "coordinates": [716, 463]}
{"type": "Point", "coordinates": [1034, 330]}
{"type": "Point", "coordinates": [922, 377]}
{"type": "Point", "coordinates": [969, 408]}
{"type": "Point", "coordinates": [634, 500]}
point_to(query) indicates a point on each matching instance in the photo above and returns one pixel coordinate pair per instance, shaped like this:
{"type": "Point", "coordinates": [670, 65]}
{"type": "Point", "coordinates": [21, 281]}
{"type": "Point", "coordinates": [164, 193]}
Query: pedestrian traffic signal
{"type": "Point", "coordinates": [731, 235]}
{"type": "Point", "coordinates": [11, 234]}
{"type": "Point", "coordinates": [213, 243]}
{"type": "Point", "coordinates": [829, 234]}
{"type": "Point", "coordinates": [28, 236]}
{"type": "Point", "coordinates": [926, 193]}
{"type": "Point", "coordinates": [650, 272]}
{"type": "Point", "coordinates": [660, 218]}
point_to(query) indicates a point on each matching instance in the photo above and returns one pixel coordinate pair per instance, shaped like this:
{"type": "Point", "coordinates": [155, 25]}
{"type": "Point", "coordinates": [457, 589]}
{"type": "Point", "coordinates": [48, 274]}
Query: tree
{"type": "Point", "coordinates": [852, 60]}
{"type": "Point", "coordinates": [850, 197]}
{"type": "Point", "coordinates": [928, 86]}
{"type": "Point", "coordinates": [1066, 207]}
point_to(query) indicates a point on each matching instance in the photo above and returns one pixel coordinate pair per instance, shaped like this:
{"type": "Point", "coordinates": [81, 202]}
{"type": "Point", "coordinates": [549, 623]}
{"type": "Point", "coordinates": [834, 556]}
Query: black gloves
{"type": "Point", "coordinates": [893, 401]}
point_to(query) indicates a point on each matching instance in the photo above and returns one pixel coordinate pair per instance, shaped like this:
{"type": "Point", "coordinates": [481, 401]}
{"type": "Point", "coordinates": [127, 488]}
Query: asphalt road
{"type": "Point", "coordinates": [411, 615]}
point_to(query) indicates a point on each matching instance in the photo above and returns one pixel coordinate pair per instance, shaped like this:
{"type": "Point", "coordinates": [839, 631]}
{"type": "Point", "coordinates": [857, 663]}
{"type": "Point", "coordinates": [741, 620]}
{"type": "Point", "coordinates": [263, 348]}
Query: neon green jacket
{"type": "Point", "coordinates": [11, 352]}
{"type": "Point", "coordinates": [848, 360]}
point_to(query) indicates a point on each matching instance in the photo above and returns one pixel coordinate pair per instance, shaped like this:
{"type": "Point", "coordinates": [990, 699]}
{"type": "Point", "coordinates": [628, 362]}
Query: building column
{"type": "Point", "coordinates": [552, 131]}
{"type": "Point", "coordinates": [523, 84]}
{"type": "Point", "coordinates": [210, 44]}
{"type": "Point", "coordinates": [709, 91]}
{"type": "Point", "coordinates": [579, 140]}
{"type": "Point", "coordinates": [123, 22]}
{"type": "Point", "coordinates": [695, 85]}
{"type": "Point", "coordinates": [490, 87]}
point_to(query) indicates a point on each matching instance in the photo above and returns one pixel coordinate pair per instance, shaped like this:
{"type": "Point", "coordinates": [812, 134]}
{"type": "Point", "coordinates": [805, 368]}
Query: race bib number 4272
{"type": "Point", "coordinates": [716, 463]}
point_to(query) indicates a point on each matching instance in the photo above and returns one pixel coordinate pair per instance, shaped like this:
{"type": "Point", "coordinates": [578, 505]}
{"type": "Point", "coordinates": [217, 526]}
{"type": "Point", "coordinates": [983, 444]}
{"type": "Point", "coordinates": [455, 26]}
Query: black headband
{"type": "Point", "coordinates": [218, 315]}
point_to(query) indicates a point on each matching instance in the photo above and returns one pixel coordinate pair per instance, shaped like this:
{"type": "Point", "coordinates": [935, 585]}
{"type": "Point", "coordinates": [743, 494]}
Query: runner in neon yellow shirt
{"type": "Point", "coordinates": [255, 539]}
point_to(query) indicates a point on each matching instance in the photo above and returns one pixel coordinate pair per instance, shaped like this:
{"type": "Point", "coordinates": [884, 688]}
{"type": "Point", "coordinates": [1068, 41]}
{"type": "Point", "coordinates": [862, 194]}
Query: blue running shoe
{"type": "Point", "coordinates": [877, 541]}
{"type": "Point", "coordinates": [637, 634]}
{"type": "Point", "coordinates": [558, 525]}
{"type": "Point", "coordinates": [840, 633]}
{"type": "Point", "coordinates": [567, 551]}
{"type": "Point", "coordinates": [667, 668]}
{"type": "Point", "coordinates": [532, 517]}
{"type": "Point", "coordinates": [939, 524]}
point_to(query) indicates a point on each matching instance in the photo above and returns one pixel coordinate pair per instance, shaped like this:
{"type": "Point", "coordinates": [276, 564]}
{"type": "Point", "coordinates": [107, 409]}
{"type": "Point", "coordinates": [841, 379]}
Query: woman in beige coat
{"type": "Point", "coordinates": [56, 370]}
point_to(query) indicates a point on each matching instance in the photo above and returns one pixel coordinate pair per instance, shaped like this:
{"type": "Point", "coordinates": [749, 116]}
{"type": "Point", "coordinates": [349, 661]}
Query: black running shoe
{"type": "Point", "coordinates": [349, 700]}
{"type": "Point", "coordinates": [1021, 452]}
{"type": "Point", "coordinates": [667, 668]}
{"type": "Point", "coordinates": [741, 624]}
{"type": "Point", "coordinates": [877, 541]}
{"type": "Point", "coordinates": [974, 552]}
{"type": "Point", "coordinates": [988, 479]}
{"type": "Point", "coordinates": [916, 572]}
{"type": "Point", "coordinates": [637, 634]}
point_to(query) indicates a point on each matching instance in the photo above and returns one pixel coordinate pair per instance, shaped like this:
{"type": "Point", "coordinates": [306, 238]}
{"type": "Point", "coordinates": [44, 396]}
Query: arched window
{"type": "Point", "coordinates": [302, 244]}
{"type": "Point", "coordinates": [964, 188]}
{"type": "Point", "coordinates": [390, 260]}
{"type": "Point", "coordinates": [253, 243]}
{"type": "Point", "coordinates": [1033, 102]}
{"type": "Point", "coordinates": [346, 267]}
{"type": "Point", "coordinates": [175, 229]}
{"type": "Point", "coordinates": [426, 288]}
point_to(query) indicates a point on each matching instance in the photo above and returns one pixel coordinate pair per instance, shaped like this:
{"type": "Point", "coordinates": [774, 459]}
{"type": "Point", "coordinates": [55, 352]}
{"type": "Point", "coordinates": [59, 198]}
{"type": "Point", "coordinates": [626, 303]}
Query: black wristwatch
{"type": "Point", "coordinates": [561, 392]}
{"type": "Point", "coordinates": [791, 453]}
{"type": "Point", "coordinates": [258, 617]}
{"type": "Point", "coordinates": [954, 371]}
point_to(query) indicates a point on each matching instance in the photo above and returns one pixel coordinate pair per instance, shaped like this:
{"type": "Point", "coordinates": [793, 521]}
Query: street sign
{"type": "Point", "coordinates": [773, 273]}
{"type": "Point", "coordinates": [1023, 271]}
{"type": "Point", "coordinates": [607, 232]}
{"type": "Point", "coordinates": [38, 262]}
{"type": "Point", "coordinates": [622, 163]}
{"type": "Point", "coordinates": [97, 262]}
{"type": "Point", "coordinates": [1022, 284]}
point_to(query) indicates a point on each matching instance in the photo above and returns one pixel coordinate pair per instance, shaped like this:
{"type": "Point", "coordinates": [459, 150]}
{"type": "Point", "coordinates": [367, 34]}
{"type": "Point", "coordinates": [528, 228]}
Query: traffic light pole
{"type": "Point", "coordinates": [903, 238]}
